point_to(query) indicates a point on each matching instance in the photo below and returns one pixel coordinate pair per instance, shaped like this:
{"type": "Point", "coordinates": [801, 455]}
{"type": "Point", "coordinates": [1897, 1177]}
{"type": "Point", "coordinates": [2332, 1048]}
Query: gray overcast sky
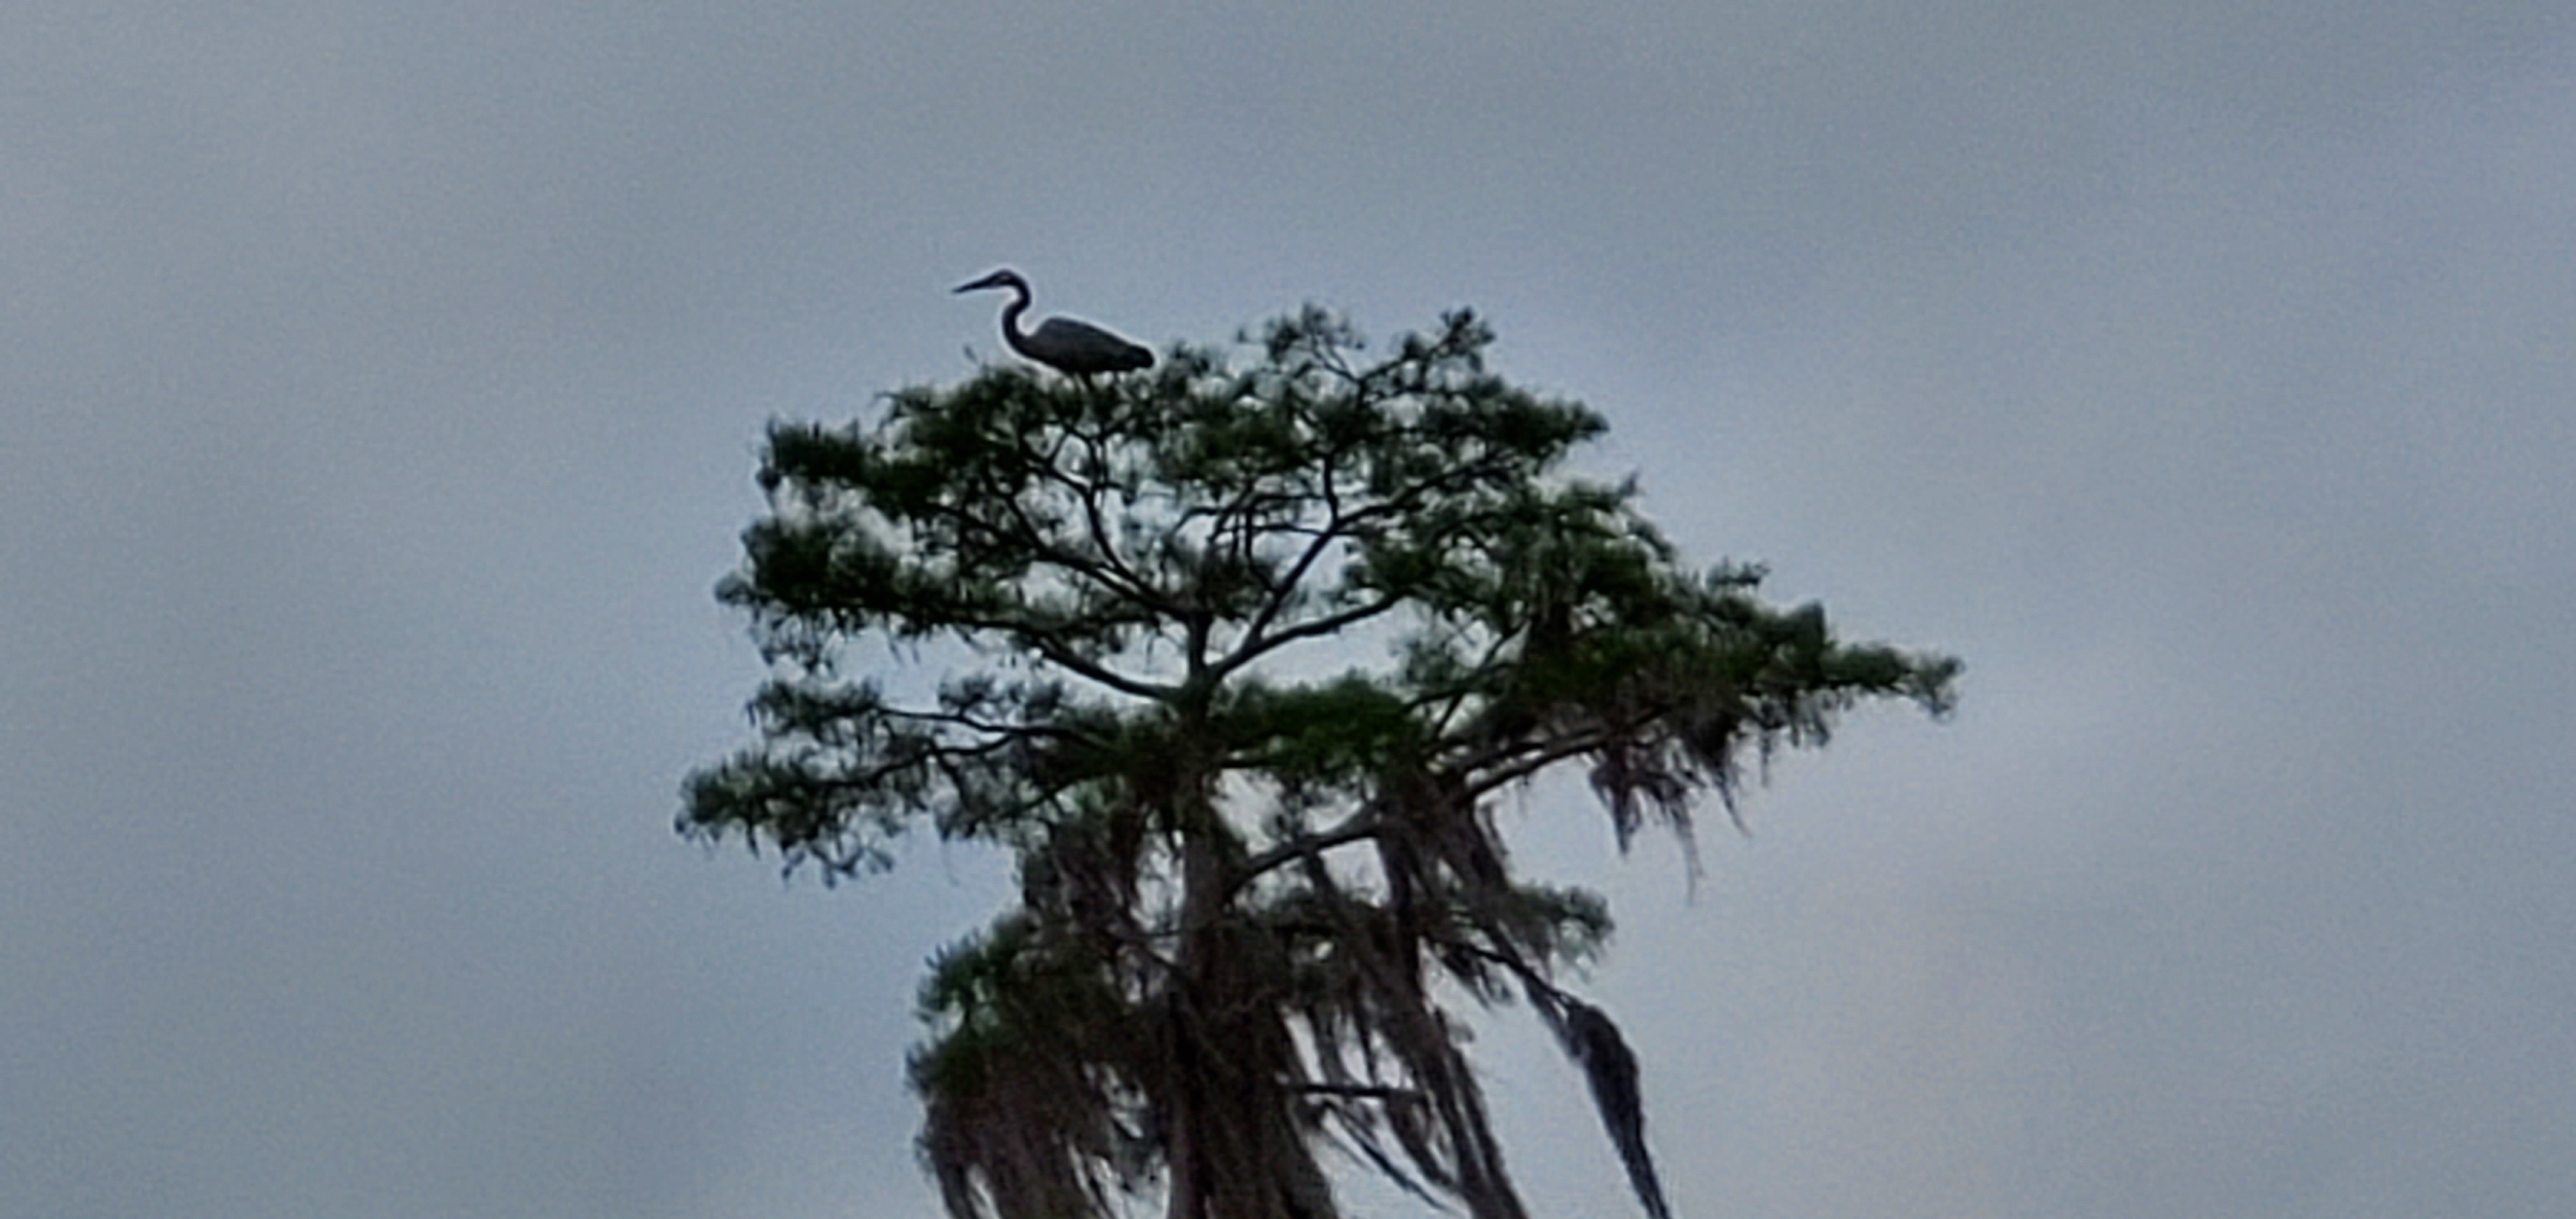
{"type": "Point", "coordinates": [380, 384]}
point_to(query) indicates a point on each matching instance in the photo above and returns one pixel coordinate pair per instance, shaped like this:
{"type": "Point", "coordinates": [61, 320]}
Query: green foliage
{"type": "Point", "coordinates": [1244, 885]}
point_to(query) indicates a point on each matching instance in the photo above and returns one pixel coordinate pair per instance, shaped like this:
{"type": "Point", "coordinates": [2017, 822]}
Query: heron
{"type": "Point", "coordinates": [1061, 343]}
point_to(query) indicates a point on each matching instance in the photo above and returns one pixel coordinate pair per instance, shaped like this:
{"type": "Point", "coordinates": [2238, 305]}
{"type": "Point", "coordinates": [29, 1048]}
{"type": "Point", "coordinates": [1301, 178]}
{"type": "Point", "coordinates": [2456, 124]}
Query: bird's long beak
{"type": "Point", "coordinates": [989, 281]}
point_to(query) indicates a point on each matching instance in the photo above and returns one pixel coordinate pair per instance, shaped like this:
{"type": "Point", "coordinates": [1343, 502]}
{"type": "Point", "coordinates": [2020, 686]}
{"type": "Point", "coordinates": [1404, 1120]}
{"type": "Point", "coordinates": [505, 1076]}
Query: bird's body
{"type": "Point", "coordinates": [1061, 343]}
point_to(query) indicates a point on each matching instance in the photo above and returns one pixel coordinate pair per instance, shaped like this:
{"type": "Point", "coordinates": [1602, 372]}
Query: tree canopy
{"type": "Point", "coordinates": [1236, 661]}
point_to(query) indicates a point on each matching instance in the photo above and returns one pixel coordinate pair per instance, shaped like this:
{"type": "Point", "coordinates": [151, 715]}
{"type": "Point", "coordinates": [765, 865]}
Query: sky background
{"type": "Point", "coordinates": [380, 388]}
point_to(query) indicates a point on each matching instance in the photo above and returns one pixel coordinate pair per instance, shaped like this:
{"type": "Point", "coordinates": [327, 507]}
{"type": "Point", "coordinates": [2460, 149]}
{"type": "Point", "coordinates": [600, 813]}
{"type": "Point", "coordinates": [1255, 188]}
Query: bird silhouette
{"type": "Point", "coordinates": [1061, 343]}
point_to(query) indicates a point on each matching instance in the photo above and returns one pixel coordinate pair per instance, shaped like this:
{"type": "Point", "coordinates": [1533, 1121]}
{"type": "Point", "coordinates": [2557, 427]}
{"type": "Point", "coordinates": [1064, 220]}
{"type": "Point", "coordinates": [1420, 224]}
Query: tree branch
{"type": "Point", "coordinates": [1360, 827]}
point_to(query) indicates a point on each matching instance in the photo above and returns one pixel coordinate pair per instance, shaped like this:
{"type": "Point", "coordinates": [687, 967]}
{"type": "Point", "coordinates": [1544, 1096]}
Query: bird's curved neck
{"type": "Point", "coordinates": [1011, 318]}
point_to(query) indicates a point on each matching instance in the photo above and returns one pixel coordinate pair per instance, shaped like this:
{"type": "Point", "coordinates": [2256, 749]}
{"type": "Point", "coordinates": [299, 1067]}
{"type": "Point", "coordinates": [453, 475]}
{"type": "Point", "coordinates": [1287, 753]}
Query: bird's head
{"type": "Point", "coordinates": [1005, 278]}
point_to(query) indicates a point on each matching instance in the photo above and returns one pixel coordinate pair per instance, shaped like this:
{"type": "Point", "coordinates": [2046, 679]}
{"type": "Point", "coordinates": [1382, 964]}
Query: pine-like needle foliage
{"type": "Point", "coordinates": [1082, 621]}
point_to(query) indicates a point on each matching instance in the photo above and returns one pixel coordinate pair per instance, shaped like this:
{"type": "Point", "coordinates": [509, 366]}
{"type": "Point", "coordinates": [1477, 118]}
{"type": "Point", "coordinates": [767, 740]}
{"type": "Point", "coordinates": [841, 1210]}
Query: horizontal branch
{"type": "Point", "coordinates": [1258, 645]}
{"type": "Point", "coordinates": [1362, 826]}
{"type": "Point", "coordinates": [1056, 651]}
{"type": "Point", "coordinates": [1376, 1092]}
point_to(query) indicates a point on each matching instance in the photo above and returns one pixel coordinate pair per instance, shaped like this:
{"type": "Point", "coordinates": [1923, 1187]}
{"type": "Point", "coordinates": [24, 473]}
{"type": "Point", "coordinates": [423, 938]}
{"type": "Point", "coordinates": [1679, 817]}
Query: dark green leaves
{"type": "Point", "coordinates": [1236, 660]}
